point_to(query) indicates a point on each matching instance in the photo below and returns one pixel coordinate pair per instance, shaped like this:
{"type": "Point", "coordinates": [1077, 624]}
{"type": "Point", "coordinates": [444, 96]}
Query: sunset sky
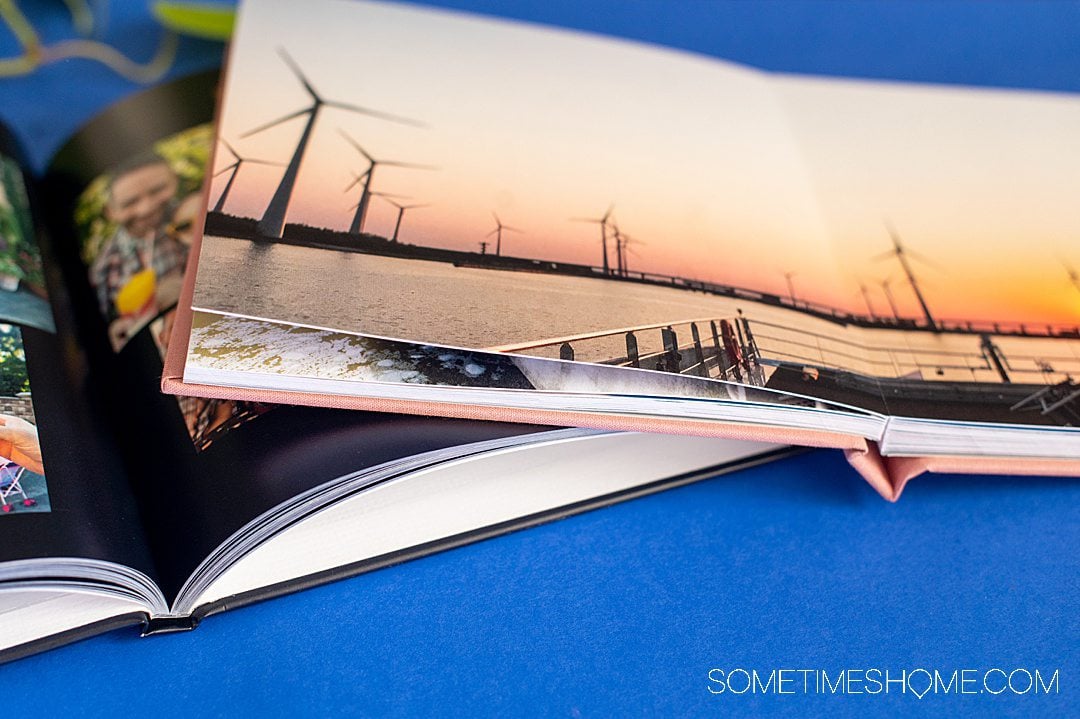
{"type": "Point", "coordinates": [723, 172]}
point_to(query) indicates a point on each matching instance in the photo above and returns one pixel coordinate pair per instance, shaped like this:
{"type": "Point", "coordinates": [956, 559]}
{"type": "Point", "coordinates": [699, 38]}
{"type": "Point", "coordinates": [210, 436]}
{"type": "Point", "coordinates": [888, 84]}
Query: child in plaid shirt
{"type": "Point", "coordinates": [142, 196]}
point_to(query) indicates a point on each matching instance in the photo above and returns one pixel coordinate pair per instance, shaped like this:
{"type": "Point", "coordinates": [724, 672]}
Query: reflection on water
{"type": "Point", "coordinates": [466, 307]}
{"type": "Point", "coordinates": [429, 301]}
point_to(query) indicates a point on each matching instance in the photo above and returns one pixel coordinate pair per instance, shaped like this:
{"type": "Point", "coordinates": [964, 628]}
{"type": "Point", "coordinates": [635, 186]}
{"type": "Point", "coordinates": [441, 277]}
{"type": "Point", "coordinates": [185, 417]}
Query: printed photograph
{"type": "Point", "coordinates": [304, 356]}
{"type": "Point", "coordinates": [22, 474]}
{"type": "Point", "coordinates": [23, 298]}
{"type": "Point", "coordinates": [906, 249]}
{"type": "Point", "coordinates": [135, 225]}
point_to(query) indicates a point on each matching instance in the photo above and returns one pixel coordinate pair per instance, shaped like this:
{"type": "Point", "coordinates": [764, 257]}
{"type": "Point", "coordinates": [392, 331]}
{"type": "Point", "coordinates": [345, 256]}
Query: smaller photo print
{"type": "Point", "coordinates": [135, 224]}
{"type": "Point", "coordinates": [22, 473]}
{"type": "Point", "coordinates": [22, 281]}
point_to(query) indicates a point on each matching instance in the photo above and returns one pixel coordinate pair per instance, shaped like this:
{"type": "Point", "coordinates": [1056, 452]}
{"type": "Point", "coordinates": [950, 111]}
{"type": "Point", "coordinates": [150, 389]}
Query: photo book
{"type": "Point", "coordinates": [501, 221]}
{"type": "Point", "coordinates": [468, 276]}
{"type": "Point", "coordinates": [121, 506]}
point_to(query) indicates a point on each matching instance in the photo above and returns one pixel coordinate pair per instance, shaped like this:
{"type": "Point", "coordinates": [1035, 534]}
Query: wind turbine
{"type": "Point", "coordinates": [790, 285]}
{"type": "Point", "coordinates": [272, 223]}
{"type": "Point", "coordinates": [622, 247]}
{"type": "Point", "coordinates": [499, 227]}
{"type": "Point", "coordinates": [603, 222]}
{"type": "Point", "coordinates": [866, 298]}
{"type": "Point", "coordinates": [627, 249]}
{"type": "Point", "coordinates": [384, 195]}
{"type": "Point", "coordinates": [1074, 276]}
{"type": "Point", "coordinates": [901, 253]}
{"type": "Point", "coordinates": [618, 249]}
{"type": "Point", "coordinates": [357, 225]}
{"type": "Point", "coordinates": [400, 213]}
{"type": "Point", "coordinates": [887, 289]}
{"type": "Point", "coordinates": [237, 163]}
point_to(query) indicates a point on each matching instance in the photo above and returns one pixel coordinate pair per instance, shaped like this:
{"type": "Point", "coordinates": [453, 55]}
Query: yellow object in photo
{"type": "Point", "coordinates": [138, 291]}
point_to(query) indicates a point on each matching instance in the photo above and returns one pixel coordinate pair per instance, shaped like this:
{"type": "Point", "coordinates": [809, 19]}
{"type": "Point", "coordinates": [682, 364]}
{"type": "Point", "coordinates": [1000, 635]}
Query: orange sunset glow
{"type": "Point", "coordinates": [719, 171]}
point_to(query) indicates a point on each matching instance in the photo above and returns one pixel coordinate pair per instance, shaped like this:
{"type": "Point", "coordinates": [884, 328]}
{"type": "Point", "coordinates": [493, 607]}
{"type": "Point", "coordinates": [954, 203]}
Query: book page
{"type": "Point", "coordinates": [952, 213]}
{"type": "Point", "coordinates": [501, 187]}
{"type": "Point", "coordinates": [63, 490]}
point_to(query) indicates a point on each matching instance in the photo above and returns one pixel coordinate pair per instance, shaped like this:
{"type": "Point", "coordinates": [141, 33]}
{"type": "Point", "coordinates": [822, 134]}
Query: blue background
{"type": "Point", "coordinates": [623, 611]}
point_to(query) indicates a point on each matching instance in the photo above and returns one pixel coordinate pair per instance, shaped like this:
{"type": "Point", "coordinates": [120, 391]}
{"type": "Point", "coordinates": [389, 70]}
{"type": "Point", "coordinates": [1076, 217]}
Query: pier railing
{"type": "Point", "coordinates": [978, 357]}
{"type": "Point", "coordinates": [718, 348]}
{"type": "Point", "coordinates": [742, 350]}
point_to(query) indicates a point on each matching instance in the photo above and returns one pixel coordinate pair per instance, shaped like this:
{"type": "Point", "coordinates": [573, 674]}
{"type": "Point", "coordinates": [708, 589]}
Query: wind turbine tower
{"type": "Point", "coordinates": [887, 289]}
{"type": "Point", "coordinates": [866, 298]}
{"type": "Point", "coordinates": [790, 286]}
{"type": "Point", "coordinates": [272, 223]}
{"type": "Point", "coordinates": [901, 253]}
{"type": "Point", "coordinates": [401, 213]}
{"type": "Point", "coordinates": [499, 227]}
{"type": "Point", "coordinates": [603, 222]}
{"type": "Point", "coordinates": [357, 225]}
{"type": "Point", "coordinates": [237, 163]}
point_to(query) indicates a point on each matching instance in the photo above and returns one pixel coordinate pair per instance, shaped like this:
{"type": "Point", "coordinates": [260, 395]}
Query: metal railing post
{"type": "Point", "coordinates": [632, 350]}
{"type": "Point", "coordinates": [699, 354]}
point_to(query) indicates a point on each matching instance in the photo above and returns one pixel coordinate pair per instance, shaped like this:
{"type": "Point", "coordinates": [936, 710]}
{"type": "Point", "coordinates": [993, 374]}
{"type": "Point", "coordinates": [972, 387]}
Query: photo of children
{"type": "Point", "coordinates": [135, 223]}
{"type": "Point", "coordinates": [22, 474]}
{"type": "Point", "coordinates": [22, 281]}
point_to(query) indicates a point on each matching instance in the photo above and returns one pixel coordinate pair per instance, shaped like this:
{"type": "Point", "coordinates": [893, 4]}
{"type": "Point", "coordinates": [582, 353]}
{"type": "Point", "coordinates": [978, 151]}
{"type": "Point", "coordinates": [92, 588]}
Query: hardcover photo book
{"type": "Point", "coordinates": [526, 224]}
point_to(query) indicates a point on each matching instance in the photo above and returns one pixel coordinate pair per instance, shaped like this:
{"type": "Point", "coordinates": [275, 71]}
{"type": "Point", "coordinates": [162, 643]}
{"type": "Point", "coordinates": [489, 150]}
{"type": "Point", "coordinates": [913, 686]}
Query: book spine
{"type": "Point", "coordinates": [168, 625]}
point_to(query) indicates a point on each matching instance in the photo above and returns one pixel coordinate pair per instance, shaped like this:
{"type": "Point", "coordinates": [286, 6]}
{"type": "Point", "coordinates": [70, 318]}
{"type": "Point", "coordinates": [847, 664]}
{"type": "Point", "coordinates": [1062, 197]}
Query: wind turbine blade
{"type": "Point", "coordinates": [410, 165]}
{"type": "Point", "coordinates": [891, 229]}
{"type": "Point", "coordinates": [373, 113]}
{"type": "Point", "coordinates": [223, 170]}
{"type": "Point", "coordinates": [512, 229]}
{"type": "Point", "coordinates": [413, 207]}
{"type": "Point", "coordinates": [883, 256]}
{"type": "Point", "coordinates": [923, 259]}
{"type": "Point", "coordinates": [586, 219]}
{"type": "Point", "coordinates": [356, 144]}
{"type": "Point", "coordinates": [299, 74]}
{"type": "Point", "coordinates": [229, 147]}
{"type": "Point", "coordinates": [260, 162]}
{"type": "Point", "coordinates": [610, 209]}
{"type": "Point", "coordinates": [492, 232]}
{"type": "Point", "coordinates": [357, 179]}
{"type": "Point", "coordinates": [278, 121]}
{"type": "Point", "coordinates": [389, 194]}
{"type": "Point", "coordinates": [497, 220]}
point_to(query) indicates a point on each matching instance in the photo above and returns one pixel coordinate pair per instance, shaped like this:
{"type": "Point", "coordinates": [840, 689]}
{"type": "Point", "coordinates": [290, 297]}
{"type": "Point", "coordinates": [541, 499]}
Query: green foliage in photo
{"type": "Point", "coordinates": [188, 154]}
{"type": "Point", "coordinates": [13, 377]}
{"type": "Point", "coordinates": [19, 254]}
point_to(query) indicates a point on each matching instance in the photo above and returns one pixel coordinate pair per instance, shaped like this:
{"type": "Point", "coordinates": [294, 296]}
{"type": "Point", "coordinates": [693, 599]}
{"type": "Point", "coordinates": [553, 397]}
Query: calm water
{"type": "Point", "coordinates": [438, 303]}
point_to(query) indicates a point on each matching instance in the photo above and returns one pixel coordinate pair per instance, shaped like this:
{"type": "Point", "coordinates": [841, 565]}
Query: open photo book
{"type": "Point", "coordinates": [464, 217]}
{"type": "Point", "coordinates": [120, 505]}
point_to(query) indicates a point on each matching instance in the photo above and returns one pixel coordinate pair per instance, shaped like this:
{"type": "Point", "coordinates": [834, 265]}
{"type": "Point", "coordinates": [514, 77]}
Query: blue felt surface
{"type": "Point", "coordinates": [624, 611]}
